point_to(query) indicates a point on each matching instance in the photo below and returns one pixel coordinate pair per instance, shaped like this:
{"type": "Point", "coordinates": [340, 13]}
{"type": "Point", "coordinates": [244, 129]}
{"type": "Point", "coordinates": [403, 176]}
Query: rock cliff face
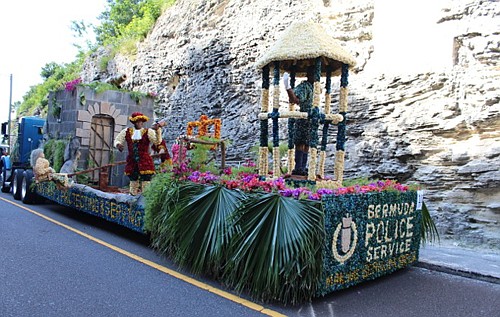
{"type": "Point", "coordinates": [437, 128]}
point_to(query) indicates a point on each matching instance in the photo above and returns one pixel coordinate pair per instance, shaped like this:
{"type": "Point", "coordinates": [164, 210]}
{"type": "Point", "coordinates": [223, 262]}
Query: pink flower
{"type": "Point", "coordinates": [71, 85]}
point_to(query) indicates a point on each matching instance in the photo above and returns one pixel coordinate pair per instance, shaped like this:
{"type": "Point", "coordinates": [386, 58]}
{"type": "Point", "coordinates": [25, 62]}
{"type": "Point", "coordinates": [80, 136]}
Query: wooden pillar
{"type": "Point", "coordinates": [274, 118]}
{"type": "Point", "coordinates": [326, 124]}
{"type": "Point", "coordinates": [291, 127]}
{"type": "Point", "coordinates": [264, 133]}
{"type": "Point", "coordinates": [340, 154]}
{"type": "Point", "coordinates": [315, 117]}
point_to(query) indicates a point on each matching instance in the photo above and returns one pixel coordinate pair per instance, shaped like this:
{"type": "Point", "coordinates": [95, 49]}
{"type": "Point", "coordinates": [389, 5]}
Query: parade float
{"type": "Point", "coordinates": [78, 133]}
{"type": "Point", "coordinates": [280, 237]}
{"type": "Point", "coordinates": [274, 237]}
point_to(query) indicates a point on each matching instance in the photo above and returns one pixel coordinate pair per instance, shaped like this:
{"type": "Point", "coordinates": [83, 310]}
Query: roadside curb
{"type": "Point", "coordinates": [460, 272]}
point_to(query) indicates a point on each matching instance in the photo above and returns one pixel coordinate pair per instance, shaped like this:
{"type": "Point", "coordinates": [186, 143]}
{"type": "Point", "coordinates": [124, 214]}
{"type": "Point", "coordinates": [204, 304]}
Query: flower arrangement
{"type": "Point", "coordinates": [71, 85]}
{"type": "Point", "coordinates": [247, 180]}
{"type": "Point", "coordinates": [203, 124]}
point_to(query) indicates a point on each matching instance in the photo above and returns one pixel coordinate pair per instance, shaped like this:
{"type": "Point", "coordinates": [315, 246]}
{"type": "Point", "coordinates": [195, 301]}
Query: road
{"type": "Point", "coordinates": [56, 261]}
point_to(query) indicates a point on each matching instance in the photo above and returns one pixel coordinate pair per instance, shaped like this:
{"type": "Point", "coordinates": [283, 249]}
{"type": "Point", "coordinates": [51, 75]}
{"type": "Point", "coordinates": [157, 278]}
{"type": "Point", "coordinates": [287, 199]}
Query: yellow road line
{"type": "Point", "coordinates": [157, 266]}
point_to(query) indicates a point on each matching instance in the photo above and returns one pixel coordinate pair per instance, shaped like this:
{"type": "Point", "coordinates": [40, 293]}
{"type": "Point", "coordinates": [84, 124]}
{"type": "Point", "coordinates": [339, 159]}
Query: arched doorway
{"type": "Point", "coordinates": [101, 142]}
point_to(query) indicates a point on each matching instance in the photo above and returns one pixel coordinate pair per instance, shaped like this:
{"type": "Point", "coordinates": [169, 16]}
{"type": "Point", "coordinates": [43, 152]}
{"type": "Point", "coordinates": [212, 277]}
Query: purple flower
{"type": "Point", "coordinates": [71, 85]}
{"type": "Point", "coordinates": [286, 192]}
{"type": "Point", "coordinates": [324, 191]}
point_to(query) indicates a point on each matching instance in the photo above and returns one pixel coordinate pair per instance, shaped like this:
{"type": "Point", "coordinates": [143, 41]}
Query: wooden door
{"type": "Point", "coordinates": [101, 143]}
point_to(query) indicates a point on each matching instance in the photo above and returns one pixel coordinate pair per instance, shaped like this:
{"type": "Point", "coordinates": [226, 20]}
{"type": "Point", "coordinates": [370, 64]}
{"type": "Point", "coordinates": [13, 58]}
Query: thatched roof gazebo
{"type": "Point", "coordinates": [302, 45]}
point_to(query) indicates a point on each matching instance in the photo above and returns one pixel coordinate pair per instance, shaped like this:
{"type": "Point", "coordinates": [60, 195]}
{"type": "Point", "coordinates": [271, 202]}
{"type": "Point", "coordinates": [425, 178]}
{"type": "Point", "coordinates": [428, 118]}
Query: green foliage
{"type": "Point", "coordinates": [48, 149]}
{"type": "Point", "coordinates": [82, 178]}
{"type": "Point", "coordinates": [277, 252]}
{"type": "Point", "coordinates": [100, 87]}
{"type": "Point", "coordinates": [59, 154]}
{"type": "Point", "coordinates": [244, 169]}
{"type": "Point", "coordinates": [155, 195]}
{"type": "Point", "coordinates": [126, 22]}
{"type": "Point", "coordinates": [357, 181]}
{"type": "Point", "coordinates": [56, 110]}
{"type": "Point", "coordinates": [202, 156]}
{"type": "Point", "coordinates": [58, 75]}
{"type": "Point", "coordinates": [283, 148]}
{"type": "Point", "coordinates": [159, 214]}
{"type": "Point", "coordinates": [123, 25]}
{"type": "Point", "coordinates": [104, 61]}
{"type": "Point", "coordinates": [137, 96]}
{"type": "Point", "coordinates": [428, 230]}
{"type": "Point", "coordinates": [202, 228]}
{"type": "Point", "coordinates": [51, 69]}
{"type": "Point", "coordinates": [268, 245]}
{"type": "Point", "coordinates": [54, 152]}
{"type": "Point", "coordinates": [14, 152]}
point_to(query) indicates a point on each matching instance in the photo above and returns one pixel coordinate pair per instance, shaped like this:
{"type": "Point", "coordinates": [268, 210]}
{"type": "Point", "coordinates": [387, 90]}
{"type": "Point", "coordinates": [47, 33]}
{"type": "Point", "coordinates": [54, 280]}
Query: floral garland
{"type": "Point", "coordinates": [328, 102]}
{"type": "Point", "coordinates": [276, 162]}
{"type": "Point", "coordinates": [317, 94]}
{"type": "Point", "coordinates": [264, 101]}
{"type": "Point", "coordinates": [344, 91]}
{"type": "Point", "coordinates": [291, 160]}
{"type": "Point", "coordinates": [263, 160]}
{"type": "Point", "coordinates": [321, 167]}
{"type": "Point", "coordinates": [250, 182]}
{"type": "Point", "coordinates": [203, 125]}
{"type": "Point", "coordinates": [338, 170]}
{"type": "Point", "coordinates": [313, 156]}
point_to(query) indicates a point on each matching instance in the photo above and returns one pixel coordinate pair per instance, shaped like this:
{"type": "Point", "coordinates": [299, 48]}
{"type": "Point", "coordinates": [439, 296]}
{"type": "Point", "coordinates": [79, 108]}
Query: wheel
{"type": "Point", "coordinates": [28, 192]}
{"type": "Point", "coordinates": [17, 180]}
{"type": "Point", "coordinates": [5, 187]}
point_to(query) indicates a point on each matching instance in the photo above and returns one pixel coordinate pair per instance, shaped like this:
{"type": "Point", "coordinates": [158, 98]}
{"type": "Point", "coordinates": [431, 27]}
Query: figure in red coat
{"type": "Point", "coordinates": [163, 151]}
{"type": "Point", "coordinates": [140, 167]}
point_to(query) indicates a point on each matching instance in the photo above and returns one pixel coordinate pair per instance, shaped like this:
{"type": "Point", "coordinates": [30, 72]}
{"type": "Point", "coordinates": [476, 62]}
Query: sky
{"type": "Point", "coordinates": [34, 33]}
{"type": "Point", "coordinates": [406, 36]}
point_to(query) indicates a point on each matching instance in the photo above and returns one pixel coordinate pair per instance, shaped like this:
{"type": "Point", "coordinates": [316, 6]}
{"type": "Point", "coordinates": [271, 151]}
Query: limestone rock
{"type": "Point", "coordinates": [439, 128]}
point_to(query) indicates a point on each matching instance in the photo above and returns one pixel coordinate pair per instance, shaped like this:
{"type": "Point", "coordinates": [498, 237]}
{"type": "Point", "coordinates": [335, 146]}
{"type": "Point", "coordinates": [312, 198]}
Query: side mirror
{"type": "Point", "coordinates": [4, 128]}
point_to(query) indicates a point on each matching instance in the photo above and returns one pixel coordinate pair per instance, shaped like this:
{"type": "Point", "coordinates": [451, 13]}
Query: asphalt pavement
{"type": "Point", "coordinates": [473, 263]}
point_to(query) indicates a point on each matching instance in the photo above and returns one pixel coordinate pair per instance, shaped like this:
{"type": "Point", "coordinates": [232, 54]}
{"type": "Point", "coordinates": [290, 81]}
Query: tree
{"type": "Point", "coordinates": [49, 70]}
{"type": "Point", "coordinates": [118, 14]}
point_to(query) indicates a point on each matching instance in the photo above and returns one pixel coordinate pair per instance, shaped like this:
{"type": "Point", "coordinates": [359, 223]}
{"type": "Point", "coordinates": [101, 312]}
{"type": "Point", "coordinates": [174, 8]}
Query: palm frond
{"type": "Point", "coordinates": [428, 230]}
{"type": "Point", "coordinates": [276, 254]}
{"type": "Point", "coordinates": [202, 227]}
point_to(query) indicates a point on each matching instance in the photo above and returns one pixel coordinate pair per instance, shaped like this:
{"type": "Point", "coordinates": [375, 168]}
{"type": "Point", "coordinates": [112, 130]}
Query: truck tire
{"type": "Point", "coordinates": [28, 192]}
{"type": "Point", "coordinates": [5, 187]}
{"type": "Point", "coordinates": [17, 180]}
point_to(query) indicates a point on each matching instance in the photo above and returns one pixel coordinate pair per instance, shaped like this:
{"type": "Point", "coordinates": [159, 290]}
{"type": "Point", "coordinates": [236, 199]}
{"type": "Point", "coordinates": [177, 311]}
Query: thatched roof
{"type": "Point", "coordinates": [301, 43]}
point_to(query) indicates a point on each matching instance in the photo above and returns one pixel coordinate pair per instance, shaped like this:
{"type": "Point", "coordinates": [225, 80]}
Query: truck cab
{"type": "Point", "coordinates": [17, 160]}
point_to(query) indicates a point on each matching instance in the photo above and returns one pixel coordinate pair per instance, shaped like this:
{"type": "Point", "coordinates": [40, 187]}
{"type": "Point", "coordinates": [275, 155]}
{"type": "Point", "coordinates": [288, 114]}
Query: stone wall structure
{"type": "Point", "coordinates": [435, 126]}
{"type": "Point", "coordinates": [78, 108]}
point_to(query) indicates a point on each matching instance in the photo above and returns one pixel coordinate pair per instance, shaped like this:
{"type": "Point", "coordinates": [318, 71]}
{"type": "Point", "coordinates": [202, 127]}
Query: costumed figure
{"type": "Point", "coordinates": [301, 95]}
{"type": "Point", "coordinates": [140, 166]}
{"type": "Point", "coordinates": [43, 172]}
{"type": "Point", "coordinates": [161, 149]}
{"type": "Point", "coordinates": [41, 166]}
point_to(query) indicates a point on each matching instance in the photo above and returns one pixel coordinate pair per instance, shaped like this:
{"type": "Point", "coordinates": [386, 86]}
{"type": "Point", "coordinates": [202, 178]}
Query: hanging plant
{"type": "Point", "coordinates": [83, 99]}
{"type": "Point", "coordinates": [56, 110]}
{"type": "Point", "coordinates": [137, 96]}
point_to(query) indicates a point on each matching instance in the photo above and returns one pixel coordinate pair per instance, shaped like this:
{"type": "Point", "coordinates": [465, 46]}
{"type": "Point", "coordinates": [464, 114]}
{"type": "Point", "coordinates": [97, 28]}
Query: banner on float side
{"type": "Point", "coordinates": [123, 209]}
{"type": "Point", "coordinates": [367, 236]}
